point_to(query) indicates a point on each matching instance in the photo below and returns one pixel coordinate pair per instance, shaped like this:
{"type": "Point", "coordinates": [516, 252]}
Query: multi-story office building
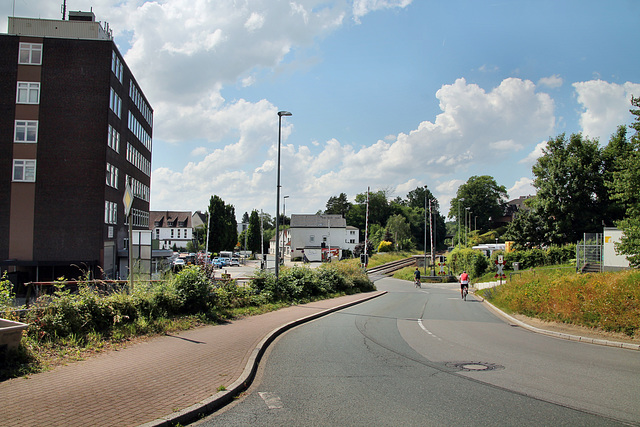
{"type": "Point", "coordinates": [75, 128]}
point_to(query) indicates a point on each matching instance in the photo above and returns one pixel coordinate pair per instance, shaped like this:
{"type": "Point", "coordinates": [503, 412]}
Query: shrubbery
{"type": "Point", "coordinates": [610, 301]}
{"type": "Point", "coordinates": [538, 257]}
{"type": "Point", "coordinates": [472, 261]}
{"type": "Point", "coordinates": [189, 292]}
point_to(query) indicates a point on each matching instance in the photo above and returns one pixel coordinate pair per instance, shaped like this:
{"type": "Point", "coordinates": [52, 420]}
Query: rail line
{"type": "Point", "coordinates": [390, 267]}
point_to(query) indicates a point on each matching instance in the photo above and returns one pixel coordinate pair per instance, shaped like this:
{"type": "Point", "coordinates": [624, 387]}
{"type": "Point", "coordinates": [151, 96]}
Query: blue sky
{"type": "Point", "coordinates": [386, 94]}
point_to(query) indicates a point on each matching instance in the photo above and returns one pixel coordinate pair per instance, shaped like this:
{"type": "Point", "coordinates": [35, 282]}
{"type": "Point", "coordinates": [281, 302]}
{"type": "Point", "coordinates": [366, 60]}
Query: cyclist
{"type": "Point", "coordinates": [464, 283]}
{"type": "Point", "coordinates": [416, 277]}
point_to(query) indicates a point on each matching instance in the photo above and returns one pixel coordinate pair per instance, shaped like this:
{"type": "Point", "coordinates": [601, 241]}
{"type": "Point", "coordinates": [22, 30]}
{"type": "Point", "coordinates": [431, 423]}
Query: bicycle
{"type": "Point", "coordinates": [465, 291]}
{"type": "Point", "coordinates": [417, 283]}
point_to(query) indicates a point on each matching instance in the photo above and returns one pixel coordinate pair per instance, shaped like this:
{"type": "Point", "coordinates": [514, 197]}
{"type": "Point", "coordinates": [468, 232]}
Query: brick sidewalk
{"type": "Point", "coordinates": [149, 382]}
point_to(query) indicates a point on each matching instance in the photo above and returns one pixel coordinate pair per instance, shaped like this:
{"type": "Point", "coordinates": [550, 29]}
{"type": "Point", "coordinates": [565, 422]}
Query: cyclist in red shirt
{"type": "Point", "coordinates": [464, 283]}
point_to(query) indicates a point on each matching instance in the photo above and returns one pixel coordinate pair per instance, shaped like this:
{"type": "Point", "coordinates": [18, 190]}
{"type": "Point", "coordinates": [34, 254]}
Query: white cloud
{"type": "Point", "coordinates": [522, 187]}
{"type": "Point", "coordinates": [552, 82]}
{"type": "Point", "coordinates": [605, 106]}
{"type": "Point", "coordinates": [363, 7]}
{"type": "Point", "coordinates": [474, 127]}
{"type": "Point", "coordinates": [198, 152]}
{"type": "Point", "coordinates": [535, 154]}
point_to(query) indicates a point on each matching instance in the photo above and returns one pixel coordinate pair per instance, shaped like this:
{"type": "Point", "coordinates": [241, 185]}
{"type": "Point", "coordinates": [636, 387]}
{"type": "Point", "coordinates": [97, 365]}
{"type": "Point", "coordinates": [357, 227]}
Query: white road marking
{"type": "Point", "coordinates": [428, 331]}
{"type": "Point", "coordinates": [271, 399]}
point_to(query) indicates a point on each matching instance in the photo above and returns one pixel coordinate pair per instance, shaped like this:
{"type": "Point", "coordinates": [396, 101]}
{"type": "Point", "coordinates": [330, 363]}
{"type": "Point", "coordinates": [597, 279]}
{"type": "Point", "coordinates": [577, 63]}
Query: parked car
{"type": "Point", "coordinates": [234, 262]}
{"type": "Point", "coordinates": [217, 263]}
{"type": "Point", "coordinates": [224, 261]}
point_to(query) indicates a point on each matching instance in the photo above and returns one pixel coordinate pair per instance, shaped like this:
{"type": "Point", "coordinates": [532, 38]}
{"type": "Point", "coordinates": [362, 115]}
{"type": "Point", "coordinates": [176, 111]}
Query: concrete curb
{"type": "Point", "coordinates": [561, 335]}
{"type": "Point", "coordinates": [222, 398]}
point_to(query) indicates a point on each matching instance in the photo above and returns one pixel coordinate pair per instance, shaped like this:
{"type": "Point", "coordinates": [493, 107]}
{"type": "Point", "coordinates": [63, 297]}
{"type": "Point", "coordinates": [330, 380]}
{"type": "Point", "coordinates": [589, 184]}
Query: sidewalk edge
{"type": "Point", "coordinates": [222, 398]}
{"type": "Point", "coordinates": [561, 335]}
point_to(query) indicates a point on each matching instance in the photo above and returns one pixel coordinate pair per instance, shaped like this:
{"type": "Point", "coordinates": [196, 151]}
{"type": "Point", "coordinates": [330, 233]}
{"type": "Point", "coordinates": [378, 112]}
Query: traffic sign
{"type": "Point", "coordinates": [127, 199]}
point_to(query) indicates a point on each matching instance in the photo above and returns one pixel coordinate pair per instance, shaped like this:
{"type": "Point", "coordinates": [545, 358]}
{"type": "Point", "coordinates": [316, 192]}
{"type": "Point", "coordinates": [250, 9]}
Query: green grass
{"type": "Point", "coordinates": [608, 301]}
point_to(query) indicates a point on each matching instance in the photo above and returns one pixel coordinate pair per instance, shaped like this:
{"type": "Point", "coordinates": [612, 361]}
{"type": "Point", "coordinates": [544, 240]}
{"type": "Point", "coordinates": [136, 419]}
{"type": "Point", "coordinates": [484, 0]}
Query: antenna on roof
{"type": "Point", "coordinates": [64, 9]}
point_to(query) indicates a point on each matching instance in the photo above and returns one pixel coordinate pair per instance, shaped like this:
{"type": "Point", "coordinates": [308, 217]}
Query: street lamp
{"type": "Point", "coordinates": [466, 229]}
{"type": "Point", "coordinates": [459, 201]}
{"type": "Point", "coordinates": [284, 230]}
{"type": "Point", "coordinates": [280, 114]}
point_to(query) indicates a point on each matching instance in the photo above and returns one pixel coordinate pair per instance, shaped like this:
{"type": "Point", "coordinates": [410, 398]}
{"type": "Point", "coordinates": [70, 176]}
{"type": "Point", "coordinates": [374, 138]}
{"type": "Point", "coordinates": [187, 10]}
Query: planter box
{"type": "Point", "coordinates": [10, 334]}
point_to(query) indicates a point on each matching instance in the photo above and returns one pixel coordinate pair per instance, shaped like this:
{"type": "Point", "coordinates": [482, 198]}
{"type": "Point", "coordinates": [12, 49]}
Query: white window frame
{"type": "Point", "coordinates": [24, 170]}
{"type": "Point", "coordinates": [115, 103]}
{"type": "Point", "coordinates": [25, 93]}
{"type": "Point", "coordinates": [33, 53]}
{"type": "Point", "coordinates": [113, 139]}
{"type": "Point", "coordinates": [112, 176]}
{"type": "Point", "coordinates": [110, 212]}
{"type": "Point", "coordinates": [24, 126]}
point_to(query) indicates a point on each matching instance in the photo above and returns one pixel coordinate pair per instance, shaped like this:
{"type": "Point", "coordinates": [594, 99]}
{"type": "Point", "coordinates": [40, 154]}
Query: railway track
{"type": "Point", "coordinates": [391, 267]}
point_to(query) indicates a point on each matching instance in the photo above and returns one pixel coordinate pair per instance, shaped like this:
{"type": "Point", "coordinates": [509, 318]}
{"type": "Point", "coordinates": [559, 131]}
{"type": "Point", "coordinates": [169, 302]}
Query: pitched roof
{"type": "Point", "coordinates": [169, 219]}
{"type": "Point", "coordinates": [317, 221]}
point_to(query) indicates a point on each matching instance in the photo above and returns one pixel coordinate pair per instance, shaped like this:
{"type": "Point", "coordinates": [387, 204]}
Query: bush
{"type": "Point", "coordinates": [6, 292]}
{"type": "Point", "coordinates": [472, 261]}
{"type": "Point", "coordinates": [192, 287]}
{"type": "Point", "coordinates": [385, 246]}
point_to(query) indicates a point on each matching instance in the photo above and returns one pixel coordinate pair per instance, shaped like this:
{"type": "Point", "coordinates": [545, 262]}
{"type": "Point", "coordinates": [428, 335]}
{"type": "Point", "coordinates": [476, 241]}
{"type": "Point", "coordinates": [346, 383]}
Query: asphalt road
{"type": "Point", "coordinates": [425, 357]}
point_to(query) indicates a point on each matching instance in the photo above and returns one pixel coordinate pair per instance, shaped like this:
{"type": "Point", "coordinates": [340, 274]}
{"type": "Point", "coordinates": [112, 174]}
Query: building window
{"type": "Point", "coordinates": [26, 131]}
{"type": "Point", "coordinates": [178, 233]}
{"type": "Point", "coordinates": [24, 170]}
{"type": "Point", "coordinates": [116, 65]}
{"type": "Point", "coordinates": [112, 176]}
{"type": "Point", "coordinates": [28, 93]}
{"type": "Point", "coordinates": [30, 54]}
{"type": "Point", "coordinates": [172, 233]}
{"type": "Point", "coordinates": [115, 103]}
{"type": "Point", "coordinates": [113, 139]}
{"type": "Point", "coordinates": [110, 212]}
{"type": "Point", "coordinates": [312, 238]}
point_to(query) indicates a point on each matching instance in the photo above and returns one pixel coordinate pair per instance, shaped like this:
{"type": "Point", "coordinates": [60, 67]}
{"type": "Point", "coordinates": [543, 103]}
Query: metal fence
{"type": "Point", "coordinates": [589, 253]}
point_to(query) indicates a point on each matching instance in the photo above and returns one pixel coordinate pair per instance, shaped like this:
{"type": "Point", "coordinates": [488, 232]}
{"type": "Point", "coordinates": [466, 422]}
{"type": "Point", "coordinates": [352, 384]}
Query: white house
{"type": "Point", "coordinates": [284, 243]}
{"type": "Point", "coordinates": [171, 228]}
{"type": "Point", "coordinates": [314, 236]}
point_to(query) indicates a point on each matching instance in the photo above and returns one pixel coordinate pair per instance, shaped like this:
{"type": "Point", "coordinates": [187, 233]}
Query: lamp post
{"type": "Point", "coordinates": [459, 201]}
{"type": "Point", "coordinates": [425, 230]}
{"type": "Point", "coordinates": [280, 114]}
{"type": "Point", "coordinates": [466, 229]}
{"type": "Point", "coordinates": [284, 230]}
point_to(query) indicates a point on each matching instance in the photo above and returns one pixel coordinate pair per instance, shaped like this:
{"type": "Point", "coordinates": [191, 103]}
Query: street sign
{"type": "Point", "coordinates": [128, 200]}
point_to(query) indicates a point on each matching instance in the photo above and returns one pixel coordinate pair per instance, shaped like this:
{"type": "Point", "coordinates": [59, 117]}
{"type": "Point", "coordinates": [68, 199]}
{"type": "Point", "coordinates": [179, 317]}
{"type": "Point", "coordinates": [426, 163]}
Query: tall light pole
{"type": "Point", "coordinates": [284, 230]}
{"type": "Point", "coordinates": [459, 202]}
{"type": "Point", "coordinates": [280, 114]}
{"type": "Point", "coordinates": [466, 229]}
{"type": "Point", "coordinates": [425, 229]}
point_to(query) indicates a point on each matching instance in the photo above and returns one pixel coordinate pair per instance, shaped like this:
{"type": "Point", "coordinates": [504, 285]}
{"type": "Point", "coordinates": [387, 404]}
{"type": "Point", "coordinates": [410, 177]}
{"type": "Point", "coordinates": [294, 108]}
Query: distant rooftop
{"type": "Point", "coordinates": [81, 25]}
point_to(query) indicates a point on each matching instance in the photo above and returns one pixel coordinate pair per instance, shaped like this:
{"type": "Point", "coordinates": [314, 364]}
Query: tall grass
{"type": "Point", "coordinates": [609, 301]}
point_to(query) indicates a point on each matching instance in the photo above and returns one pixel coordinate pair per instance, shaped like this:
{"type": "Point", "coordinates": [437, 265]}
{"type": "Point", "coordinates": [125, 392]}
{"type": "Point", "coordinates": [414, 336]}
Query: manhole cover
{"type": "Point", "coordinates": [474, 366]}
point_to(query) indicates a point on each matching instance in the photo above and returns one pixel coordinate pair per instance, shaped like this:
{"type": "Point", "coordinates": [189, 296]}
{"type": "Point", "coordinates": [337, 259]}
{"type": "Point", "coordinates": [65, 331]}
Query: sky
{"type": "Point", "coordinates": [384, 94]}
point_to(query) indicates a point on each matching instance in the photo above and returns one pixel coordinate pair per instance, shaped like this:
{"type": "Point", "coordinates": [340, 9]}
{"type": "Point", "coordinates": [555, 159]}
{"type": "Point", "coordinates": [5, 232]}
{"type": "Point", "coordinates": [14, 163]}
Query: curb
{"type": "Point", "coordinates": [560, 335]}
{"type": "Point", "coordinates": [222, 398]}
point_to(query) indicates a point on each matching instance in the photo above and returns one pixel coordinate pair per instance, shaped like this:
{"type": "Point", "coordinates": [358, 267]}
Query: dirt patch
{"type": "Point", "coordinates": [582, 331]}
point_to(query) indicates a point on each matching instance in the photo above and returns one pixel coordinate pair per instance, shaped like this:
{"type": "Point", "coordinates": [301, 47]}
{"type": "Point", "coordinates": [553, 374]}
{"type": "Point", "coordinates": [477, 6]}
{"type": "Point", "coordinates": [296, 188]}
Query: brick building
{"type": "Point", "coordinates": [75, 127]}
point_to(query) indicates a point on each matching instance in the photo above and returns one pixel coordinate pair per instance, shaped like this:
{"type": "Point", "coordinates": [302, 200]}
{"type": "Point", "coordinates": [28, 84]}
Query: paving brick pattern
{"type": "Point", "coordinates": [148, 380]}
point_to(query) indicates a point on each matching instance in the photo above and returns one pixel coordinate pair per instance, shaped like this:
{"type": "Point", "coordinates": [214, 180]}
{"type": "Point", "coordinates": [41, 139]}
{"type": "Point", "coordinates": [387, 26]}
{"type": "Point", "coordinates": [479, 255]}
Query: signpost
{"type": "Point", "coordinates": [128, 201]}
{"type": "Point", "coordinates": [500, 264]}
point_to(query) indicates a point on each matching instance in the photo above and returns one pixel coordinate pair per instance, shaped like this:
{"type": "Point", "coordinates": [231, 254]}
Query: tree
{"type": "Point", "coordinates": [223, 233]}
{"type": "Point", "coordinates": [399, 230]}
{"type": "Point", "coordinates": [484, 198]}
{"type": "Point", "coordinates": [625, 188]}
{"type": "Point", "coordinates": [338, 205]}
{"type": "Point", "coordinates": [571, 196]}
{"type": "Point", "coordinates": [253, 237]}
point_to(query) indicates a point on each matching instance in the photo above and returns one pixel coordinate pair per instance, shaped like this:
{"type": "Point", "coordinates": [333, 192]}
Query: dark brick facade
{"type": "Point", "coordinates": [68, 218]}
